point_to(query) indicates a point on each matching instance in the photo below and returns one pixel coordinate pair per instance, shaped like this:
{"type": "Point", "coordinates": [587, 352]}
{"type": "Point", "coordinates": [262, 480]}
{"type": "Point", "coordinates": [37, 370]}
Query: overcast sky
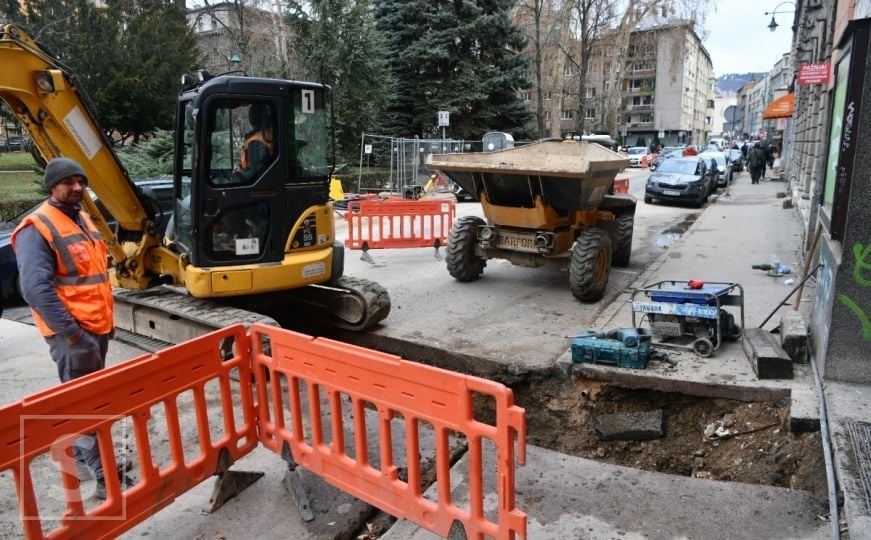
{"type": "Point", "coordinates": [739, 40]}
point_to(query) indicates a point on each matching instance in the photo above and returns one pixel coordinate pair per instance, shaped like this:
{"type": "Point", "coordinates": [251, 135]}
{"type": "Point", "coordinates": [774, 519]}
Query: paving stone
{"type": "Point", "coordinates": [793, 336]}
{"type": "Point", "coordinates": [639, 426]}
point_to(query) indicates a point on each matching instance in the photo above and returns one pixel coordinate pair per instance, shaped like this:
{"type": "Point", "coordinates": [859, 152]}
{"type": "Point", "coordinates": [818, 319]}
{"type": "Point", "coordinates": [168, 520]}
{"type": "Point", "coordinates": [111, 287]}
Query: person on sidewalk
{"type": "Point", "coordinates": [755, 162]}
{"type": "Point", "coordinates": [63, 264]}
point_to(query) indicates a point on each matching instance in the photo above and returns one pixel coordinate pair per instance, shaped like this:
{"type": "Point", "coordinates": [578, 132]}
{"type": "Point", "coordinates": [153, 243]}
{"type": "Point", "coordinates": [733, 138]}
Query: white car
{"type": "Point", "coordinates": [636, 155]}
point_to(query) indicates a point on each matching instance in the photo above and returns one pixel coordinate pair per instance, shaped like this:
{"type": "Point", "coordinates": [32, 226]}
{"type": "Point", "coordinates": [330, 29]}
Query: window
{"type": "Point", "coordinates": [566, 115]}
{"type": "Point", "coordinates": [547, 95]}
{"type": "Point", "coordinates": [607, 86]}
{"type": "Point", "coordinates": [589, 93]}
{"type": "Point", "coordinates": [524, 95]}
{"type": "Point", "coordinates": [567, 71]}
{"type": "Point", "coordinates": [590, 114]}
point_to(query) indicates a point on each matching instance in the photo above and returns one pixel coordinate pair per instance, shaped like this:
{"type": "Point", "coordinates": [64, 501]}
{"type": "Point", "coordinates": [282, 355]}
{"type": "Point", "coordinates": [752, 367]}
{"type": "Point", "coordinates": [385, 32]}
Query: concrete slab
{"type": "Point", "coordinates": [851, 404]}
{"type": "Point", "coordinates": [570, 497]}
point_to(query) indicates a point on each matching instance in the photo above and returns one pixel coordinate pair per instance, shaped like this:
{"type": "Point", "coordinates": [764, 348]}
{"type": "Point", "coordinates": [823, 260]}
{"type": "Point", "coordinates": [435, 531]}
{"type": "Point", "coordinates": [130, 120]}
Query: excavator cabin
{"type": "Point", "coordinates": [251, 174]}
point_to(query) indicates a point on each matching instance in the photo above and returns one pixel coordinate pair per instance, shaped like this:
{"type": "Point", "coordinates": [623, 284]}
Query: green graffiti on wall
{"type": "Point", "coordinates": [862, 254]}
{"type": "Point", "coordinates": [862, 276]}
{"type": "Point", "coordinates": [860, 314]}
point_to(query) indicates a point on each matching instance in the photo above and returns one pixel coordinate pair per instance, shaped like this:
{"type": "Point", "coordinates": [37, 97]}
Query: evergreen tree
{"type": "Point", "coordinates": [343, 48]}
{"type": "Point", "coordinates": [460, 56]}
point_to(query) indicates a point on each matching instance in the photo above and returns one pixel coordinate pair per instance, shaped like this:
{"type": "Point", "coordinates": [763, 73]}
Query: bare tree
{"type": "Point", "coordinates": [543, 23]}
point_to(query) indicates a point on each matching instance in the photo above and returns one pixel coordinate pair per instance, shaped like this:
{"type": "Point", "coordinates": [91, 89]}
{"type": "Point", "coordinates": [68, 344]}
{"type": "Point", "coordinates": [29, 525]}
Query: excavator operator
{"type": "Point", "coordinates": [259, 144]}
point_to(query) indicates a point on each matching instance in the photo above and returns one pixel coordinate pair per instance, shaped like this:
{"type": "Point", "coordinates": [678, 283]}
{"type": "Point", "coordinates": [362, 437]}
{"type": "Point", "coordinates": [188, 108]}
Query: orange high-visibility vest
{"type": "Point", "coordinates": [259, 136]}
{"type": "Point", "coordinates": [82, 275]}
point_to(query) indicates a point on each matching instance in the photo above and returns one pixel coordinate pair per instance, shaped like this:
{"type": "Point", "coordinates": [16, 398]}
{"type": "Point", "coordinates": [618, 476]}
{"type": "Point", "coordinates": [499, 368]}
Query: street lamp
{"type": "Point", "coordinates": [773, 24]}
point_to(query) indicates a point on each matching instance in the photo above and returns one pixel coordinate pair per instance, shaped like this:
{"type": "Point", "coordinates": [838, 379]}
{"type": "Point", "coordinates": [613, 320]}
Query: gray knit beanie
{"type": "Point", "coordinates": [60, 168]}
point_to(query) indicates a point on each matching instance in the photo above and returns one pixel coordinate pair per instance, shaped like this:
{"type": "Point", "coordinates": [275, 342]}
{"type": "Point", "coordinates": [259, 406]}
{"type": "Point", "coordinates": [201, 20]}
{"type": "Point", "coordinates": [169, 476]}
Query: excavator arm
{"type": "Point", "coordinates": [44, 95]}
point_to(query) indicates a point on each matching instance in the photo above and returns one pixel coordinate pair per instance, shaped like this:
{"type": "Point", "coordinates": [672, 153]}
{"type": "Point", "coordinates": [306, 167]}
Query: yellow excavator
{"type": "Point", "coordinates": [241, 239]}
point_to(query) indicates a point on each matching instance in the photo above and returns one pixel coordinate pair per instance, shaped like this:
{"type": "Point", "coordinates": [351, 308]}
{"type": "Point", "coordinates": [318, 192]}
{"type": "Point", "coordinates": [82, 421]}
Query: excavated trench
{"type": "Point", "coordinates": [708, 438]}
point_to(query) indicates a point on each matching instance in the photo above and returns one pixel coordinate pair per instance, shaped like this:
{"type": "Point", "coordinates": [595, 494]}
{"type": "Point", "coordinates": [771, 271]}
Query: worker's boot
{"type": "Point", "coordinates": [123, 479]}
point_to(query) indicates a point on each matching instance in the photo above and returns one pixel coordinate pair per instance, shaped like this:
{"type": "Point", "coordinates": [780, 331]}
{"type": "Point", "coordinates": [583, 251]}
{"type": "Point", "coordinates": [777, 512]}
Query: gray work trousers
{"type": "Point", "coordinates": [86, 356]}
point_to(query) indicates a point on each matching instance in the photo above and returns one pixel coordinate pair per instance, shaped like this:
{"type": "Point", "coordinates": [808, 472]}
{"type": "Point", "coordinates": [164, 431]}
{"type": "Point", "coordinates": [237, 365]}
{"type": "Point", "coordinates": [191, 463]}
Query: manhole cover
{"type": "Point", "coordinates": [860, 433]}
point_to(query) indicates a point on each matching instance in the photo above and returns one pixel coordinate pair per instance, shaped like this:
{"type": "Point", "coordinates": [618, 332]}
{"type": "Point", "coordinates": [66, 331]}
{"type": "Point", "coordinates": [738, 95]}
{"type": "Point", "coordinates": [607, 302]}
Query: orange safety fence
{"type": "Point", "coordinates": [184, 383]}
{"type": "Point", "coordinates": [46, 423]}
{"type": "Point", "coordinates": [337, 375]}
{"type": "Point", "coordinates": [398, 223]}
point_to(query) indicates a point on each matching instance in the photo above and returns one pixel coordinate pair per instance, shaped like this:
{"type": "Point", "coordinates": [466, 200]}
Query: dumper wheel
{"type": "Point", "coordinates": [623, 249]}
{"type": "Point", "coordinates": [591, 264]}
{"type": "Point", "coordinates": [462, 262]}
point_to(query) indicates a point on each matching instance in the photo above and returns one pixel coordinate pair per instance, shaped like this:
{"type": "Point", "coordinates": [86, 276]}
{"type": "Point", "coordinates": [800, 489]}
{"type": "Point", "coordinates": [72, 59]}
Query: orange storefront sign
{"type": "Point", "coordinates": [780, 108]}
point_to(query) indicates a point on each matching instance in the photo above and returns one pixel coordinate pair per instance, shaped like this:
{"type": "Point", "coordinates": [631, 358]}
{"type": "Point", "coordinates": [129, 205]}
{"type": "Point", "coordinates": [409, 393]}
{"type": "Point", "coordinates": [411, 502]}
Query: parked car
{"type": "Point", "coordinates": [680, 179]}
{"type": "Point", "coordinates": [666, 153]}
{"type": "Point", "coordinates": [12, 144]}
{"type": "Point", "coordinates": [736, 158]}
{"type": "Point", "coordinates": [636, 155]}
{"type": "Point", "coordinates": [724, 166]}
{"type": "Point", "coordinates": [159, 190]}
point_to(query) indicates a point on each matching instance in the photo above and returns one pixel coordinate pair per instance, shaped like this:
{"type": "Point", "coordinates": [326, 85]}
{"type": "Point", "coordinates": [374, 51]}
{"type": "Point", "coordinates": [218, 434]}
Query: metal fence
{"type": "Point", "coordinates": [404, 160]}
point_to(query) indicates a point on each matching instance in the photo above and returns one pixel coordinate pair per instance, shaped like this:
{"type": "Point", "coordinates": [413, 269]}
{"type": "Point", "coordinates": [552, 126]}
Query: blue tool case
{"type": "Point", "coordinates": [624, 347]}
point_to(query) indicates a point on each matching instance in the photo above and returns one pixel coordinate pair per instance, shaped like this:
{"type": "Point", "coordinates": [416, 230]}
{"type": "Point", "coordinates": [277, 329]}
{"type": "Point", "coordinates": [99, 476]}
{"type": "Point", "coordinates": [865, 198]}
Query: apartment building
{"type": "Point", "coordinates": [674, 102]}
{"type": "Point", "coordinates": [661, 90]}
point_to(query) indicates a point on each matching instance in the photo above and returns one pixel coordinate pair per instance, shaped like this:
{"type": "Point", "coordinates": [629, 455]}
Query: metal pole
{"type": "Point", "coordinates": [360, 168]}
{"type": "Point", "coordinates": [812, 272]}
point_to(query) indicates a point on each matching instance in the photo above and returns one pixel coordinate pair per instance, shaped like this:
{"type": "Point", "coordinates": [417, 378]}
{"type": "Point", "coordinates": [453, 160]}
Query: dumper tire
{"type": "Point", "coordinates": [590, 265]}
{"type": "Point", "coordinates": [463, 264]}
{"type": "Point", "coordinates": [623, 249]}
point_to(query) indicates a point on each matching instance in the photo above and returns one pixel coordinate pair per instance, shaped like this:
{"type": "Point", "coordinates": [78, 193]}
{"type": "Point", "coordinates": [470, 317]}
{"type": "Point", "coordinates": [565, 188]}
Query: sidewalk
{"type": "Point", "coordinates": [570, 497]}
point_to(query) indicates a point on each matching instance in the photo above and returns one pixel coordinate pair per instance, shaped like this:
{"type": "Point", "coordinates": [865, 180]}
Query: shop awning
{"type": "Point", "coordinates": [780, 107]}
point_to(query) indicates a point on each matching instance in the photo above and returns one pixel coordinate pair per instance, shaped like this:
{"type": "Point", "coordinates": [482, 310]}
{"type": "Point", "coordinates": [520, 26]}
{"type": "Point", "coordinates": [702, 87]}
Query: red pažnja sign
{"type": "Point", "coordinates": [814, 73]}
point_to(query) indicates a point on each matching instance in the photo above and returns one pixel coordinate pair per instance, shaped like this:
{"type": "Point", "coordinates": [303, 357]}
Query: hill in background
{"type": "Point", "coordinates": [732, 82]}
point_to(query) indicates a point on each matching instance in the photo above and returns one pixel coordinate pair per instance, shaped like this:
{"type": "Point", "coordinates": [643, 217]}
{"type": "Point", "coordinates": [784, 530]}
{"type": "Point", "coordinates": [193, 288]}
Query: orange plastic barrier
{"type": "Point", "coordinates": [398, 223]}
{"type": "Point", "coordinates": [48, 422]}
{"type": "Point", "coordinates": [334, 373]}
{"type": "Point", "coordinates": [621, 185]}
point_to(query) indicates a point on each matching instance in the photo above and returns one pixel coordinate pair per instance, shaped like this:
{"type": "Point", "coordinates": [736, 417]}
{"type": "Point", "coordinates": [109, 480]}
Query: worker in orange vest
{"type": "Point", "coordinates": [259, 144]}
{"type": "Point", "coordinates": [63, 267]}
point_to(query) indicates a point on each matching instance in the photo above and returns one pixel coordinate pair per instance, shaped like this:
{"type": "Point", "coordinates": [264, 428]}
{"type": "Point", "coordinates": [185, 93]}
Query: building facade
{"type": "Point", "coordinates": [663, 92]}
{"type": "Point", "coordinates": [245, 39]}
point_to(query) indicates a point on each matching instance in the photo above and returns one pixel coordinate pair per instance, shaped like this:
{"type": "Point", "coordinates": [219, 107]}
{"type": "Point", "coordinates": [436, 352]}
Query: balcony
{"type": "Point", "coordinates": [642, 91]}
{"type": "Point", "coordinates": [640, 108]}
{"type": "Point", "coordinates": [639, 73]}
{"type": "Point", "coordinates": [640, 126]}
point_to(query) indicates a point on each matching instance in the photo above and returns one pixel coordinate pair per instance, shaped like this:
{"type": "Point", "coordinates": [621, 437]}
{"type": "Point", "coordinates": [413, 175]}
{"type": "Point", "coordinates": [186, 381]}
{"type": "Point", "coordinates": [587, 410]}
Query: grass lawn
{"type": "Point", "coordinates": [20, 184]}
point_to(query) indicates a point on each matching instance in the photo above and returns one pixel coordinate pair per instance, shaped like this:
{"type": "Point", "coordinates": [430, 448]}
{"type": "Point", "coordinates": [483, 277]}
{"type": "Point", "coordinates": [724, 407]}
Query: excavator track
{"type": "Point", "coordinates": [172, 316]}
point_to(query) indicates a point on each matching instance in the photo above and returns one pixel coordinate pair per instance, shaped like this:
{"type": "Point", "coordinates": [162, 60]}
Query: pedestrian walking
{"type": "Point", "coordinates": [63, 264]}
{"type": "Point", "coordinates": [756, 163]}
